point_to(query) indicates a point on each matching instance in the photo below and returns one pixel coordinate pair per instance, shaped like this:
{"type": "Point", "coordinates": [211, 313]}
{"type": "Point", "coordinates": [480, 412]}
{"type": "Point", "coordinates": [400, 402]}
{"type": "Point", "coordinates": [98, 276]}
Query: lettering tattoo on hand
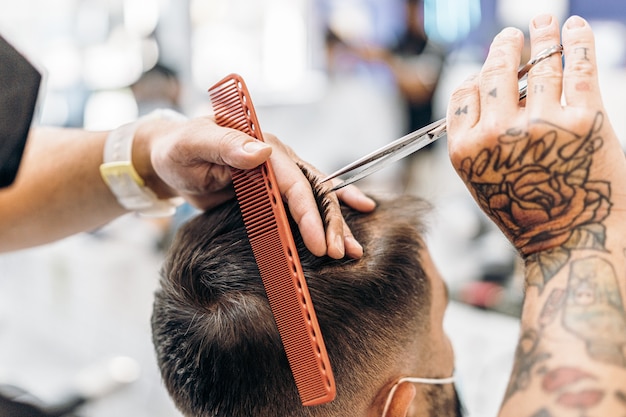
{"type": "Point", "coordinates": [537, 188]}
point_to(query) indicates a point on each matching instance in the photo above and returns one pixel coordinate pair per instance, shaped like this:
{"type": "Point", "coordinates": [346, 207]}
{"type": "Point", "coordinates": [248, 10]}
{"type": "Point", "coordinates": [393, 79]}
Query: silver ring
{"type": "Point", "coordinates": [546, 53]}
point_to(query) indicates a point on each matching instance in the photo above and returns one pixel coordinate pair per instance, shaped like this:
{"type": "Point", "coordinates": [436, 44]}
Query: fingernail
{"type": "Point", "coordinates": [356, 250]}
{"type": "Point", "coordinates": [370, 202]}
{"type": "Point", "coordinates": [542, 21]}
{"type": "Point", "coordinates": [254, 146]}
{"type": "Point", "coordinates": [575, 22]}
{"type": "Point", "coordinates": [510, 32]}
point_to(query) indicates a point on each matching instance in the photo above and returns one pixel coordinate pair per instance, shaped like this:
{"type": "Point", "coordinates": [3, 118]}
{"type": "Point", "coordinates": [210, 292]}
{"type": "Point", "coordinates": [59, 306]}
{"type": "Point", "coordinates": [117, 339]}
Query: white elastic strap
{"type": "Point", "coordinates": [415, 380]}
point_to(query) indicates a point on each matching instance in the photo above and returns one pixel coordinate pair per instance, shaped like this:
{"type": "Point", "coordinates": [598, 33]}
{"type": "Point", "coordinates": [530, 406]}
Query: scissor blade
{"type": "Point", "coordinates": [381, 152]}
{"type": "Point", "coordinates": [388, 154]}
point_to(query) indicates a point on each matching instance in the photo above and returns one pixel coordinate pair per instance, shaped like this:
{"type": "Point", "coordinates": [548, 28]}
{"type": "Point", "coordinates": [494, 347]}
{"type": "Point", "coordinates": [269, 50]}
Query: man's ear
{"type": "Point", "coordinates": [401, 400]}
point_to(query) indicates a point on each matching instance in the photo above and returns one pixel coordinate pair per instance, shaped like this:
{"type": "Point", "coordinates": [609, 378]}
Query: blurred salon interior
{"type": "Point", "coordinates": [74, 315]}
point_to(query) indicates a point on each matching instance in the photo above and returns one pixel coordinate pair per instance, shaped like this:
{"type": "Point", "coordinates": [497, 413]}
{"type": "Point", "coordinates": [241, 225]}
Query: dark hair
{"type": "Point", "coordinates": [217, 345]}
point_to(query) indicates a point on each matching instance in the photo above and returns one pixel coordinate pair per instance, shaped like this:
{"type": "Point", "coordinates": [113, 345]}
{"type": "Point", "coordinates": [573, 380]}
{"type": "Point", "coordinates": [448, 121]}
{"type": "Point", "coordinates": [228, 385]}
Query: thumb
{"type": "Point", "coordinates": [239, 150]}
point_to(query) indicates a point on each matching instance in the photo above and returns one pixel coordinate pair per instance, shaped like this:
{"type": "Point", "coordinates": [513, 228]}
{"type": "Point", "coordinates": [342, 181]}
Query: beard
{"type": "Point", "coordinates": [443, 400]}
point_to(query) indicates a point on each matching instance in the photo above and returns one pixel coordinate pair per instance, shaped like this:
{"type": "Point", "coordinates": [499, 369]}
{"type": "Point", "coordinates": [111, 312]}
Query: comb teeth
{"type": "Point", "coordinates": [275, 252]}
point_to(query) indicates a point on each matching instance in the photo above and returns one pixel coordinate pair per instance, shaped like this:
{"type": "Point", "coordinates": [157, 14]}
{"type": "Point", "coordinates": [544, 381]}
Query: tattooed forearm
{"type": "Point", "coordinates": [589, 308]}
{"type": "Point", "coordinates": [594, 311]}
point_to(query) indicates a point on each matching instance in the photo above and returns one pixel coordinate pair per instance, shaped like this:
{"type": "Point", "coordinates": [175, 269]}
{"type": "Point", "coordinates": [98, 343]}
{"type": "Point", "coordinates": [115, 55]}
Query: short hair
{"type": "Point", "coordinates": [216, 341]}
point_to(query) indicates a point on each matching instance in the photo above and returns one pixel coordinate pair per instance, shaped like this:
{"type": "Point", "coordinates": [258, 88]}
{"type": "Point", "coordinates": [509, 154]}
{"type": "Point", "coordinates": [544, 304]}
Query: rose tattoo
{"type": "Point", "coordinates": [537, 189]}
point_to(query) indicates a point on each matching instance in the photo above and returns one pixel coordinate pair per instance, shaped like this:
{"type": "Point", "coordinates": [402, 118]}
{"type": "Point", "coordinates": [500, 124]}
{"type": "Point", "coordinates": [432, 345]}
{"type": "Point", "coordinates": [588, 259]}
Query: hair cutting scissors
{"type": "Point", "coordinates": [416, 140]}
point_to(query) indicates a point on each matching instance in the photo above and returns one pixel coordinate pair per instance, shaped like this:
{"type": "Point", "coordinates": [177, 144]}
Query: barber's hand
{"type": "Point", "coordinates": [544, 168]}
{"type": "Point", "coordinates": [192, 159]}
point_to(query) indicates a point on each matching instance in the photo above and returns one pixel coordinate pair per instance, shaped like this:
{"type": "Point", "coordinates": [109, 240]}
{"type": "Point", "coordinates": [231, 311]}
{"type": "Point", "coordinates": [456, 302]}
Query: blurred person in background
{"type": "Point", "coordinates": [157, 88]}
{"type": "Point", "coordinates": [415, 64]}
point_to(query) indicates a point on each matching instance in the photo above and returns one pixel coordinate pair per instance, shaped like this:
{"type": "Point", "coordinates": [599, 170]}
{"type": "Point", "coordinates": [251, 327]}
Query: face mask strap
{"type": "Point", "coordinates": [415, 380]}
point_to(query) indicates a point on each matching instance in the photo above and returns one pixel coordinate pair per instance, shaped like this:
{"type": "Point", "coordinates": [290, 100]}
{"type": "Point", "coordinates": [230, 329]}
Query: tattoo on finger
{"type": "Point", "coordinates": [582, 50]}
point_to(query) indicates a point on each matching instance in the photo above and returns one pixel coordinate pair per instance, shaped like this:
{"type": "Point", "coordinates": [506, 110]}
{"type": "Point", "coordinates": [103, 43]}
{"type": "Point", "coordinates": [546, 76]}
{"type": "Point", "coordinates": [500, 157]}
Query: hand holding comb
{"type": "Point", "coordinates": [275, 251]}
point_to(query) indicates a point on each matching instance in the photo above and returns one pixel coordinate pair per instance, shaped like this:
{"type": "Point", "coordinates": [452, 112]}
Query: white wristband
{"type": "Point", "coordinates": [120, 175]}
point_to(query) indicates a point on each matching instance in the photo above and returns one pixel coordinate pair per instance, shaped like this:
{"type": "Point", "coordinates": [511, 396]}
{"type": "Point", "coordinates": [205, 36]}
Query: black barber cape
{"type": "Point", "coordinates": [19, 87]}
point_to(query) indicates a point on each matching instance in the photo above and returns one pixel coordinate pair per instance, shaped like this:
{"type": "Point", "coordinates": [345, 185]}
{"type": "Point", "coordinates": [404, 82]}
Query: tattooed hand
{"type": "Point", "coordinates": [544, 170]}
{"type": "Point", "coordinates": [550, 173]}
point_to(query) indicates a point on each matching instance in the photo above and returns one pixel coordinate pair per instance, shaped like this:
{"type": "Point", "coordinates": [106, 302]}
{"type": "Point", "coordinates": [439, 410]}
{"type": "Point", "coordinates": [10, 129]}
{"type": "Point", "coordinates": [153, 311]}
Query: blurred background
{"type": "Point", "coordinates": [334, 79]}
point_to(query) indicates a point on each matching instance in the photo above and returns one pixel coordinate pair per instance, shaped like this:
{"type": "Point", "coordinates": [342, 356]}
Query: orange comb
{"type": "Point", "coordinates": [275, 251]}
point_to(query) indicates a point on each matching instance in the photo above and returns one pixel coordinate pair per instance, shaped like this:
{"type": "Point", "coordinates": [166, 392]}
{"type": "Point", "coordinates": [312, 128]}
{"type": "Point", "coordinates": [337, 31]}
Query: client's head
{"type": "Point", "coordinates": [219, 350]}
